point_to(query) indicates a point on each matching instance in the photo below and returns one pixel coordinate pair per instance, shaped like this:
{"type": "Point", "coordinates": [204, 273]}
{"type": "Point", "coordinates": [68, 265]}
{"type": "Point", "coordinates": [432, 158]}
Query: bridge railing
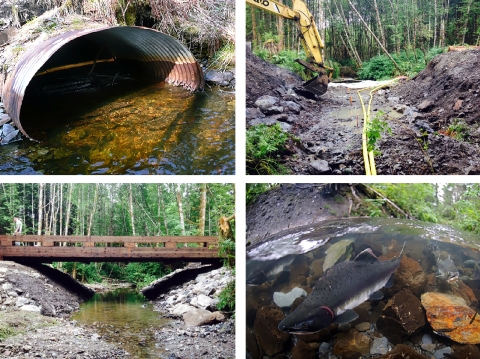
{"type": "Point", "coordinates": [107, 247]}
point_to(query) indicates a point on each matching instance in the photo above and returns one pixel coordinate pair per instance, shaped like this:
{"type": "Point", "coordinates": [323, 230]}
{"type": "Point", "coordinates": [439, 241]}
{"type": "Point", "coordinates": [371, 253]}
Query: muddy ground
{"type": "Point", "coordinates": [433, 120]}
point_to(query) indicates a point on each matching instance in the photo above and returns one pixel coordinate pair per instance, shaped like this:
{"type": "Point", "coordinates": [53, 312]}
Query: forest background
{"type": "Point", "coordinates": [358, 33]}
{"type": "Point", "coordinates": [453, 204]}
{"type": "Point", "coordinates": [103, 209]}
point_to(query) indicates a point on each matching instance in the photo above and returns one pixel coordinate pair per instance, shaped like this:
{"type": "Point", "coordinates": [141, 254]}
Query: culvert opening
{"type": "Point", "coordinates": [94, 65]}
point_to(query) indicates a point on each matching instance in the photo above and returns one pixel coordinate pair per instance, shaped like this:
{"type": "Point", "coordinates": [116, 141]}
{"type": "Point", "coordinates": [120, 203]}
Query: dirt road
{"type": "Point", "coordinates": [432, 117]}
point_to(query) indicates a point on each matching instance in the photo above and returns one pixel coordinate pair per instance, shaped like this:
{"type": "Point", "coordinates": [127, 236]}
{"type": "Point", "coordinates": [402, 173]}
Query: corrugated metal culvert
{"type": "Point", "coordinates": [99, 56]}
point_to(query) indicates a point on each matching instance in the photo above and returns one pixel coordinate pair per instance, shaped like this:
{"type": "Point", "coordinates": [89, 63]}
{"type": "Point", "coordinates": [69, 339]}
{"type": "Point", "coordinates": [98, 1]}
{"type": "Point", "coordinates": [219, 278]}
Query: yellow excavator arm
{"type": "Point", "coordinates": [309, 38]}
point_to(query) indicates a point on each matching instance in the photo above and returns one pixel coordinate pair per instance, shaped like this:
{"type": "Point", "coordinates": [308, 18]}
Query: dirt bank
{"type": "Point", "coordinates": [33, 312]}
{"type": "Point", "coordinates": [432, 118]}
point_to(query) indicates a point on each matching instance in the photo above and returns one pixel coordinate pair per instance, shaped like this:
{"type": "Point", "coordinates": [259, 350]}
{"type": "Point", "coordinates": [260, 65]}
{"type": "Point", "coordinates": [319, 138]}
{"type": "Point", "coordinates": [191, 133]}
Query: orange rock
{"type": "Point", "coordinates": [449, 315]}
{"type": "Point", "coordinates": [458, 105]}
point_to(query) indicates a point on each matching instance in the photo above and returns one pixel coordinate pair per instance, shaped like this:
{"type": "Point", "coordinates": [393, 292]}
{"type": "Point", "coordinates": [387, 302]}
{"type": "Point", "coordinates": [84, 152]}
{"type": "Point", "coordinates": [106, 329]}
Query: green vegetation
{"type": "Point", "coordinates": [224, 58]}
{"type": "Point", "coordinates": [455, 204]}
{"type": "Point", "coordinates": [227, 297]}
{"type": "Point", "coordinates": [256, 189]}
{"type": "Point", "coordinates": [375, 128]}
{"type": "Point", "coordinates": [458, 130]}
{"type": "Point", "coordinates": [264, 146]}
{"type": "Point", "coordinates": [381, 67]}
{"type": "Point", "coordinates": [19, 322]}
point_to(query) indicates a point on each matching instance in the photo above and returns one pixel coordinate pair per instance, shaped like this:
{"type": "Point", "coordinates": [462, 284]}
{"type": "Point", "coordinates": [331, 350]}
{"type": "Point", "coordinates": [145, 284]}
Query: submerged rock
{"type": "Point", "coordinates": [285, 300]}
{"type": "Point", "coordinates": [269, 337]}
{"type": "Point", "coordinates": [450, 316]}
{"type": "Point", "coordinates": [402, 317]}
{"type": "Point", "coordinates": [409, 275]}
{"type": "Point", "coordinates": [402, 351]}
{"type": "Point", "coordinates": [352, 341]}
{"type": "Point", "coordinates": [338, 252]}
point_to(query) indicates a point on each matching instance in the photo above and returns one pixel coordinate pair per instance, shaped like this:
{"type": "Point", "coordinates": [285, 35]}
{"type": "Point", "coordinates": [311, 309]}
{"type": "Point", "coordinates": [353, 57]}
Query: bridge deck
{"type": "Point", "coordinates": [108, 248]}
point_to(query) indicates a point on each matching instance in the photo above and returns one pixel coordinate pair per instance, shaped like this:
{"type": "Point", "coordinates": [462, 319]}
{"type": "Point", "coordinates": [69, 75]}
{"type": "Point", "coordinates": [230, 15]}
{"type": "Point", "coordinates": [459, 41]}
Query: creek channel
{"type": "Point", "coordinates": [129, 129]}
{"type": "Point", "coordinates": [123, 317]}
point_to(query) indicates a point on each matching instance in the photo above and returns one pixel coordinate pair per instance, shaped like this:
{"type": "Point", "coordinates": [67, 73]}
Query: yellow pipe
{"type": "Point", "coordinates": [368, 157]}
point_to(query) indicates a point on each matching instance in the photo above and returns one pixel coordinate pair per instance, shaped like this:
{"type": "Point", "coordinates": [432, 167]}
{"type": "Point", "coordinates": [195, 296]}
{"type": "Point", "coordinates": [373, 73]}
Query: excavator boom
{"type": "Point", "coordinates": [309, 38]}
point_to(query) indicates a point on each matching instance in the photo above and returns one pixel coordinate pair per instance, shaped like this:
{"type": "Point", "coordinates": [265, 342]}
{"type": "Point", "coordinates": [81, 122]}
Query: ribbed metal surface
{"type": "Point", "coordinates": [154, 56]}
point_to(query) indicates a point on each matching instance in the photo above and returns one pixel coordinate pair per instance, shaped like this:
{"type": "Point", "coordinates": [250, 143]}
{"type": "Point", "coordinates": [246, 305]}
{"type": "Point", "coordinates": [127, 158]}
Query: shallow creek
{"type": "Point", "coordinates": [129, 129]}
{"type": "Point", "coordinates": [123, 317]}
{"type": "Point", "coordinates": [437, 260]}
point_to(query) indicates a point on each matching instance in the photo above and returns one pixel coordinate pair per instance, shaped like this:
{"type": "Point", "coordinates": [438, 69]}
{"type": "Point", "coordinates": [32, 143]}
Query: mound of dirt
{"type": "Point", "coordinates": [447, 89]}
{"type": "Point", "coordinates": [264, 78]}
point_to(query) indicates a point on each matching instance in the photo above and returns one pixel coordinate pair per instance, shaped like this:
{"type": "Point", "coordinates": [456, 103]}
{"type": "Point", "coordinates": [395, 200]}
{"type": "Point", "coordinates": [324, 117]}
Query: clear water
{"type": "Point", "coordinates": [293, 252]}
{"type": "Point", "coordinates": [122, 317]}
{"type": "Point", "coordinates": [159, 129]}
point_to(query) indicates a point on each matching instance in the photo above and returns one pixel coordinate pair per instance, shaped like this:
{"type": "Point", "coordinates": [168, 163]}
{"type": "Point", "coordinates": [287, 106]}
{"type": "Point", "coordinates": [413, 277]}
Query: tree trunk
{"type": "Point", "coordinates": [256, 39]}
{"type": "Point", "coordinates": [376, 38]}
{"type": "Point", "coordinates": [203, 207]}
{"type": "Point", "coordinates": [40, 208]}
{"type": "Point", "coordinates": [280, 30]}
{"type": "Point", "coordinates": [92, 212]}
{"type": "Point", "coordinates": [379, 24]}
{"type": "Point", "coordinates": [130, 206]}
{"type": "Point", "coordinates": [178, 194]}
{"type": "Point", "coordinates": [61, 209]}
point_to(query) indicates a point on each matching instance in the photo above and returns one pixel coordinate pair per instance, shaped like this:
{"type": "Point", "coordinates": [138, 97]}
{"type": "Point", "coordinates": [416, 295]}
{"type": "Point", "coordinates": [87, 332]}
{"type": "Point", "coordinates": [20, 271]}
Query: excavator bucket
{"type": "Point", "coordinates": [318, 85]}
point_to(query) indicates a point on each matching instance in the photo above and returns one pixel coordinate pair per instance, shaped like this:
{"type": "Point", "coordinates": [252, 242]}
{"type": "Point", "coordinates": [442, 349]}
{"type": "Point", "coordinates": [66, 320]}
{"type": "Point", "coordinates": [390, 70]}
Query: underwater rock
{"type": "Point", "coordinates": [351, 341]}
{"type": "Point", "coordinates": [466, 351]}
{"type": "Point", "coordinates": [338, 252]}
{"type": "Point", "coordinates": [464, 291]}
{"type": "Point", "coordinates": [379, 346]}
{"type": "Point", "coordinates": [363, 327]}
{"type": "Point", "coordinates": [285, 300]}
{"type": "Point", "coordinates": [409, 275]}
{"type": "Point", "coordinates": [304, 350]}
{"type": "Point", "coordinates": [252, 346]}
{"type": "Point", "coordinates": [407, 310]}
{"type": "Point", "coordinates": [316, 269]}
{"type": "Point", "coordinates": [440, 354]}
{"type": "Point", "coordinates": [269, 337]}
{"type": "Point", "coordinates": [401, 351]}
{"type": "Point", "coordinates": [450, 316]}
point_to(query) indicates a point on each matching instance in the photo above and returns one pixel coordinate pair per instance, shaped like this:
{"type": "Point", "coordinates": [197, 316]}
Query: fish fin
{"type": "Point", "coordinates": [346, 317]}
{"type": "Point", "coordinates": [378, 295]}
{"type": "Point", "coordinates": [389, 283]}
{"type": "Point", "coordinates": [366, 256]}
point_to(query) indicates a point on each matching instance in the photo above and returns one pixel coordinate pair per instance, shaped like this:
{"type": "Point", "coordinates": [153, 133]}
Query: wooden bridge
{"type": "Point", "coordinates": [47, 249]}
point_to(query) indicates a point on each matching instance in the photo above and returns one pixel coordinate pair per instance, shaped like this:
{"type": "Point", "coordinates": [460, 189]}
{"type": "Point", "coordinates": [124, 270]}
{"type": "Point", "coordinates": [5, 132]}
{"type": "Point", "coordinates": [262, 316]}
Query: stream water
{"type": "Point", "coordinates": [123, 317]}
{"type": "Point", "coordinates": [159, 129]}
{"type": "Point", "coordinates": [298, 257]}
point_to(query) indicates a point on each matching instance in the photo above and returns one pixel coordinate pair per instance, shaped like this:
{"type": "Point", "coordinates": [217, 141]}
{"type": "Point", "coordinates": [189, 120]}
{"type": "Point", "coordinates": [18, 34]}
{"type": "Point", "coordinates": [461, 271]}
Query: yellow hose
{"type": "Point", "coordinates": [368, 157]}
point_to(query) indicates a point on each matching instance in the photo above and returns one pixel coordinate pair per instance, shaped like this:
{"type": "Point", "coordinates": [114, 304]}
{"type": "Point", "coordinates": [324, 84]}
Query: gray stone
{"type": "Point", "coordinates": [201, 301]}
{"type": "Point", "coordinates": [285, 300]}
{"type": "Point", "coordinates": [363, 327]}
{"type": "Point", "coordinates": [274, 110]}
{"type": "Point", "coordinates": [427, 339]}
{"type": "Point", "coordinates": [181, 309]}
{"type": "Point", "coordinates": [319, 167]}
{"type": "Point", "coordinates": [379, 346]}
{"type": "Point", "coordinates": [425, 105]}
{"type": "Point", "coordinates": [222, 78]}
{"type": "Point", "coordinates": [26, 348]}
{"type": "Point", "coordinates": [324, 348]}
{"type": "Point", "coordinates": [31, 308]}
{"type": "Point", "coordinates": [251, 113]}
{"type": "Point", "coordinates": [281, 117]}
{"type": "Point", "coordinates": [439, 354]}
{"type": "Point", "coordinates": [12, 294]}
{"type": "Point", "coordinates": [429, 347]}
{"type": "Point", "coordinates": [285, 126]}
{"type": "Point", "coordinates": [197, 317]}
{"type": "Point", "coordinates": [6, 286]}
{"type": "Point", "coordinates": [266, 102]}
{"type": "Point", "coordinates": [263, 121]}
{"type": "Point", "coordinates": [393, 99]}
{"type": "Point", "coordinates": [21, 301]}
{"type": "Point", "coordinates": [291, 106]}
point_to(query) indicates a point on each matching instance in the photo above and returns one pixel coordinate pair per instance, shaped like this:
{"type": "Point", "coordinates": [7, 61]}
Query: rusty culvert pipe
{"type": "Point", "coordinates": [142, 53]}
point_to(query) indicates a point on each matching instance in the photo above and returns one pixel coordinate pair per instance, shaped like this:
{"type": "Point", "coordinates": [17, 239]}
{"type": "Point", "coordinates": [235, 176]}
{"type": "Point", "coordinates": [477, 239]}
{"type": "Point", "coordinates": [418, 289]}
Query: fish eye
{"type": "Point", "coordinates": [304, 325]}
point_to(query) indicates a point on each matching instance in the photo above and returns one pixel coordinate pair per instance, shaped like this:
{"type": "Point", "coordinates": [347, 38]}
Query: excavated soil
{"type": "Point", "coordinates": [433, 119]}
